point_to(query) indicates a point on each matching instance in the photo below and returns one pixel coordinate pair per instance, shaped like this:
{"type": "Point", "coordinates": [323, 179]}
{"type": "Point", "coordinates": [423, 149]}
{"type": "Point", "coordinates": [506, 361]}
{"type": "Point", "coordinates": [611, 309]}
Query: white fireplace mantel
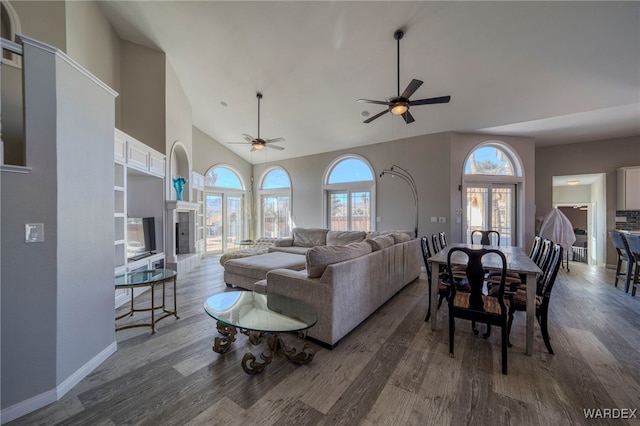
{"type": "Point", "coordinates": [181, 205]}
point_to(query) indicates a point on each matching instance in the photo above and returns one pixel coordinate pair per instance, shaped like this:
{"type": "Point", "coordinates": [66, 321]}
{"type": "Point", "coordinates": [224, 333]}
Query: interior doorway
{"type": "Point", "coordinates": [582, 199]}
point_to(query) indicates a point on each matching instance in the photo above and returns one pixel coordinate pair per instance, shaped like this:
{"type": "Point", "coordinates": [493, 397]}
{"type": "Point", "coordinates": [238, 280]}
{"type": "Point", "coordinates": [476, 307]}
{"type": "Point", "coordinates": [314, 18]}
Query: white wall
{"type": "Point", "coordinates": [572, 194]}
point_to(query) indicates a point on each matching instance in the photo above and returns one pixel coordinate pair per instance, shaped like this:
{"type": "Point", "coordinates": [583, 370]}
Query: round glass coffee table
{"type": "Point", "coordinates": [261, 316]}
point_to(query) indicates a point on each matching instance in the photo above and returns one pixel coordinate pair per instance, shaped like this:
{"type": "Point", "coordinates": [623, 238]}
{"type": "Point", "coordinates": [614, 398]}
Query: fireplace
{"type": "Point", "coordinates": [181, 232]}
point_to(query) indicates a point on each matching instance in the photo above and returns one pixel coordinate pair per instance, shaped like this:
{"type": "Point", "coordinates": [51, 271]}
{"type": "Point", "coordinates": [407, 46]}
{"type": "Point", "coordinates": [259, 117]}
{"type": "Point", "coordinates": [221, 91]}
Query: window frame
{"type": "Point", "coordinates": [349, 187]}
{"type": "Point", "coordinates": [226, 192]}
{"type": "Point", "coordinates": [274, 192]}
{"type": "Point", "coordinates": [517, 179]}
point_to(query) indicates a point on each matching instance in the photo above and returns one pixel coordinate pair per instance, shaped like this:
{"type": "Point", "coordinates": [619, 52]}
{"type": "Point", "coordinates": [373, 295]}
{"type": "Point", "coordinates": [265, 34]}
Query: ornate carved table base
{"type": "Point", "coordinates": [249, 363]}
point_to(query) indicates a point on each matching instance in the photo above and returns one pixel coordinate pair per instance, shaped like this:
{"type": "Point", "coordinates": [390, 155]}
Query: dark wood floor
{"type": "Point", "coordinates": [392, 370]}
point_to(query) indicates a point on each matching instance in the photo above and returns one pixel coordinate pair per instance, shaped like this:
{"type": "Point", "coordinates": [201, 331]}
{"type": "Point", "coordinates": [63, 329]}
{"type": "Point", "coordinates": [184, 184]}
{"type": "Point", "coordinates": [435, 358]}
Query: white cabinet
{"type": "Point", "coordinates": [628, 188]}
{"type": "Point", "coordinates": [139, 192]}
{"type": "Point", "coordinates": [137, 155]}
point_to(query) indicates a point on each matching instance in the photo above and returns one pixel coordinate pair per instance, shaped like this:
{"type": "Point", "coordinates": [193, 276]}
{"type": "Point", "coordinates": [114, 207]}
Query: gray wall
{"type": "Point", "coordinates": [435, 162]}
{"type": "Point", "coordinates": [583, 158]}
{"type": "Point", "coordinates": [143, 94]}
{"type": "Point", "coordinates": [93, 43]}
{"type": "Point", "coordinates": [57, 296]}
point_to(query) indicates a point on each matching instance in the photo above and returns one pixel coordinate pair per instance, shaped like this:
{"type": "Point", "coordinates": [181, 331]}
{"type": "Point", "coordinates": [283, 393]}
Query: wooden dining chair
{"type": "Point", "coordinates": [475, 306]}
{"type": "Point", "coordinates": [442, 237]}
{"type": "Point", "coordinates": [633, 243]}
{"type": "Point", "coordinates": [487, 237]}
{"type": "Point", "coordinates": [518, 299]}
{"type": "Point", "coordinates": [622, 250]}
{"type": "Point", "coordinates": [435, 242]}
{"type": "Point", "coordinates": [443, 289]}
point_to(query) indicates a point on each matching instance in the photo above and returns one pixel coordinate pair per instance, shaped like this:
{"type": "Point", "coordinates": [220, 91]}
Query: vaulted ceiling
{"type": "Point", "coordinates": [560, 72]}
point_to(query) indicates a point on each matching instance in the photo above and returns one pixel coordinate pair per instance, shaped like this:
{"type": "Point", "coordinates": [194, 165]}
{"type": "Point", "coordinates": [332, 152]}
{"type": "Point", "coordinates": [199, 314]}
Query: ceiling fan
{"type": "Point", "coordinates": [259, 143]}
{"type": "Point", "coordinates": [399, 105]}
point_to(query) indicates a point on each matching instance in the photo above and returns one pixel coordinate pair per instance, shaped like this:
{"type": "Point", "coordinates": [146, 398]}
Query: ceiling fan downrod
{"type": "Point", "coordinates": [398, 36]}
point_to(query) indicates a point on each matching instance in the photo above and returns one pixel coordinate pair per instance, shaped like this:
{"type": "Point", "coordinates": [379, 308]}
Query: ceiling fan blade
{"type": "Point", "coordinates": [369, 101]}
{"type": "Point", "coordinates": [408, 118]}
{"type": "Point", "coordinates": [440, 100]}
{"type": "Point", "coordinates": [238, 143]}
{"type": "Point", "coordinates": [248, 138]}
{"type": "Point", "coordinates": [369, 120]}
{"type": "Point", "coordinates": [253, 148]}
{"type": "Point", "coordinates": [279, 148]}
{"type": "Point", "coordinates": [274, 140]}
{"type": "Point", "coordinates": [411, 88]}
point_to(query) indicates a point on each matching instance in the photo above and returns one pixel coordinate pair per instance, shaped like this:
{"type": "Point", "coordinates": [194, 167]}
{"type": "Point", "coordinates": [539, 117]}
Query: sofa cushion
{"type": "Point", "coordinates": [342, 238]}
{"type": "Point", "coordinates": [380, 242]}
{"type": "Point", "coordinates": [256, 267]}
{"type": "Point", "coordinates": [309, 237]}
{"type": "Point", "coordinates": [319, 257]}
{"type": "Point", "coordinates": [400, 237]}
{"type": "Point", "coordinates": [292, 249]}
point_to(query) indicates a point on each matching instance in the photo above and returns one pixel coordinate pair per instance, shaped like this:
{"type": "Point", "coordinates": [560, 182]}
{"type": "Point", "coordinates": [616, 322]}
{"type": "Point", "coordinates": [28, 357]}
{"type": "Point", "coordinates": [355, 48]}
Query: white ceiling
{"type": "Point", "coordinates": [560, 72]}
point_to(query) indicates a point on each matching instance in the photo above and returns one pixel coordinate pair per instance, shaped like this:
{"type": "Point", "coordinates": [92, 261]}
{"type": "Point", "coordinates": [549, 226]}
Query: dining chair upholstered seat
{"type": "Point", "coordinates": [633, 243]}
{"type": "Point", "coordinates": [518, 300]}
{"type": "Point", "coordinates": [622, 250]}
{"type": "Point", "coordinates": [475, 306]}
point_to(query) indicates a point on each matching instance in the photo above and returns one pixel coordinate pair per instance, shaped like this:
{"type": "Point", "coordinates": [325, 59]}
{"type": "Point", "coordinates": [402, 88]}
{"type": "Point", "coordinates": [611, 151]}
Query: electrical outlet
{"type": "Point", "coordinates": [442, 220]}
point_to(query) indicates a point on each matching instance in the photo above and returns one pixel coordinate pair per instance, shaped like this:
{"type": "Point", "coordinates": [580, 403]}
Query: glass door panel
{"type": "Point", "coordinates": [233, 224]}
{"type": "Point", "coordinates": [338, 211]}
{"type": "Point", "coordinates": [275, 216]}
{"type": "Point", "coordinates": [213, 203]}
{"type": "Point", "coordinates": [492, 206]}
{"type": "Point", "coordinates": [360, 212]}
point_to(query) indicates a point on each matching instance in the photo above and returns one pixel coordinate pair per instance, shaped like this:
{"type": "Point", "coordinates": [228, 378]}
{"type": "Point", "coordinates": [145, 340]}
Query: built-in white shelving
{"type": "Point", "coordinates": [139, 192]}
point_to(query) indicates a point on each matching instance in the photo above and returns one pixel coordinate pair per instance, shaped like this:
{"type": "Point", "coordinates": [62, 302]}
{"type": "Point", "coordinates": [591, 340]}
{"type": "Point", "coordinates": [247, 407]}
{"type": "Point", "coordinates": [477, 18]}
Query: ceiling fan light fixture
{"type": "Point", "coordinates": [399, 108]}
{"type": "Point", "coordinates": [258, 146]}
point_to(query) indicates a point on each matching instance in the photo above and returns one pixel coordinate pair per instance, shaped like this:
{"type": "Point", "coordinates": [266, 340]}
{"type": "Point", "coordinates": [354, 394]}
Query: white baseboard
{"type": "Point", "coordinates": [34, 403]}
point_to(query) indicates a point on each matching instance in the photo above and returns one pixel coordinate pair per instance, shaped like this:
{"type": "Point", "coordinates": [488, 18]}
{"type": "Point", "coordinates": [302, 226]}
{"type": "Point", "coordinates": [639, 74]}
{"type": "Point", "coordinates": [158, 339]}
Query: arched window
{"type": "Point", "coordinates": [275, 204]}
{"type": "Point", "coordinates": [349, 188]}
{"type": "Point", "coordinates": [492, 181]}
{"type": "Point", "coordinates": [224, 209]}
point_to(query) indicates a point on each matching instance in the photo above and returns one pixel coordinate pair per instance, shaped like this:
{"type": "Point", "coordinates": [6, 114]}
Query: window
{"type": "Point", "coordinates": [349, 193]}
{"type": "Point", "coordinates": [492, 182]}
{"type": "Point", "coordinates": [224, 209]}
{"type": "Point", "coordinates": [275, 204]}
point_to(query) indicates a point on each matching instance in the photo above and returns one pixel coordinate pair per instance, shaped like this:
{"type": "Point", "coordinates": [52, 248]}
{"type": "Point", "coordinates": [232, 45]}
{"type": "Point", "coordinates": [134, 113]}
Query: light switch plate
{"type": "Point", "coordinates": [434, 219]}
{"type": "Point", "coordinates": [33, 232]}
{"type": "Point", "coordinates": [442, 220]}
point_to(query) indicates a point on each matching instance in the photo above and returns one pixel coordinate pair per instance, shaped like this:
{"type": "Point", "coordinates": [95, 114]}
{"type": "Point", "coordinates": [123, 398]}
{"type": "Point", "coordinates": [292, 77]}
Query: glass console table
{"type": "Point", "coordinates": [261, 315]}
{"type": "Point", "coordinates": [149, 278]}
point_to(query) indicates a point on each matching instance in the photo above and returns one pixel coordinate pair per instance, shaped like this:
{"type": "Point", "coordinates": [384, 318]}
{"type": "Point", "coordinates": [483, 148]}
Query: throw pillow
{"type": "Point", "coordinates": [400, 237]}
{"type": "Point", "coordinates": [380, 242]}
{"type": "Point", "coordinates": [309, 237]}
{"type": "Point", "coordinates": [342, 238]}
{"type": "Point", "coordinates": [319, 257]}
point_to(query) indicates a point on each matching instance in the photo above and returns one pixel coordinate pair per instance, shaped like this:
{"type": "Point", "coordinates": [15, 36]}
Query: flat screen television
{"type": "Point", "coordinates": [141, 237]}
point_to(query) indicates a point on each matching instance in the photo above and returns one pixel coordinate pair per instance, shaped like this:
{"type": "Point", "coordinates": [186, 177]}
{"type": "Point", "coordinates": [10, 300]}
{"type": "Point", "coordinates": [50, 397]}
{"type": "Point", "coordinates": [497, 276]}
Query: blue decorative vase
{"type": "Point", "coordinates": [178, 184]}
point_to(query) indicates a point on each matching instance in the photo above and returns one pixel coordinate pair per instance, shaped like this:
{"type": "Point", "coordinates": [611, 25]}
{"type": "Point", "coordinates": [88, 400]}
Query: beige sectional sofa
{"type": "Point", "coordinates": [344, 275]}
{"type": "Point", "coordinates": [345, 292]}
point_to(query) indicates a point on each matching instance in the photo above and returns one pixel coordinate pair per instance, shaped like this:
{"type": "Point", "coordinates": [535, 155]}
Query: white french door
{"type": "Point", "coordinates": [224, 221]}
{"type": "Point", "coordinates": [492, 206]}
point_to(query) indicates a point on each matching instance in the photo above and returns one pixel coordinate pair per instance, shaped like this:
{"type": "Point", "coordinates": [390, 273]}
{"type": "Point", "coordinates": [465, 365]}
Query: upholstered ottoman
{"type": "Point", "coordinates": [244, 272]}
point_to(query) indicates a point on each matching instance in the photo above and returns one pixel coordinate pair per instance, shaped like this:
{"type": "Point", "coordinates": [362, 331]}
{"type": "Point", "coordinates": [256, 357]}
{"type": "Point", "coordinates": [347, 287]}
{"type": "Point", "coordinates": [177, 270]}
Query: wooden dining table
{"type": "Point", "coordinates": [517, 261]}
